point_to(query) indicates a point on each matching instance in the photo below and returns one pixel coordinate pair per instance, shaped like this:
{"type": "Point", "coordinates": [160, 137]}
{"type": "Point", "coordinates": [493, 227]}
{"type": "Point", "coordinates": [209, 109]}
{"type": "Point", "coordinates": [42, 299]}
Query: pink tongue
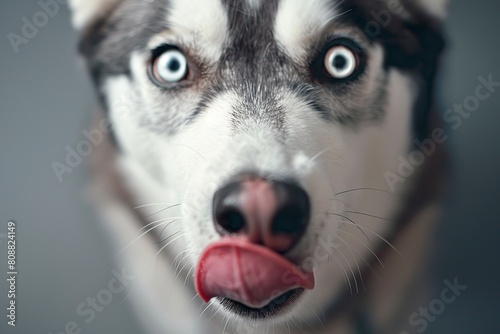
{"type": "Point", "coordinates": [250, 274]}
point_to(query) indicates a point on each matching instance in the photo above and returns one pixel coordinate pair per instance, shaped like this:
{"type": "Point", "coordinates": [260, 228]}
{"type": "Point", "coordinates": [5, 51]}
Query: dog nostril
{"type": "Point", "coordinates": [292, 214]}
{"type": "Point", "coordinates": [289, 220]}
{"type": "Point", "coordinates": [273, 213]}
{"type": "Point", "coordinates": [231, 221]}
{"type": "Point", "coordinates": [227, 214]}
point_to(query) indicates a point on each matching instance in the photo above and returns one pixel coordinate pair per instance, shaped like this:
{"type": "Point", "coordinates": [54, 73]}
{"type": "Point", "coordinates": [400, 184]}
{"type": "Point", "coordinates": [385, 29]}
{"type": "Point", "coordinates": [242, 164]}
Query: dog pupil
{"type": "Point", "coordinates": [174, 65]}
{"type": "Point", "coordinates": [339, 62]}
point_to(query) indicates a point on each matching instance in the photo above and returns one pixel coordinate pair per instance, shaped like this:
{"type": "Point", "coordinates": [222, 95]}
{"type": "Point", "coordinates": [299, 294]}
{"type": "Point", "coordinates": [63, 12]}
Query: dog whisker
{"type": "Point", "coordinates": [194, 297]}
{"type": "Point", "coordinates": [338, 4]}
{"type": "Point", "coordinates": [347, 205]}
{"type": "Point", "coordinates": [359, 189]}
{"type": "Point", "coordinates": [160, 222]}
{"type": "Point", "coordinates": [368, 215]}
{"type": "Point", "coordinates": [210, 303]}
{"type": "Point", "coordinates": [288, 326]}
{"type": "Point", "coordinates": [316, 315]}
{"type": "Point", "coordinates": [350, 222]}
{"type": "Point", "coordinates": [215, 313]}
{"type": "Point", "coordinates": [362, 243]}
{"type": "Point", "coordinates": [165, 209]}
{"type": "Point", "coordinates": [333, 18]}
{"type": "Point", "coordinates": [318, 155]}
{"type": "Point", "coordinates": [300, 323]}
{"type": "Point", "coordinates": [354, 256]}
{"type": "Point", "coordinates": [150, 205]}
{"type": "Point", "coordinates": [350, 269]}
{"type": "Point", "coordinates": [157, 221]}
{"type": "Point", "coordinates": [183, 254]}
{"type": "Point", "coordinates": [188, 275]}
{"type": "Point", "coordinates": [155, 261]}
{"type": "Point", "coordinates": [343, 13]}
{"type": "Point", "coordinates": [225, 326]}
{"type": "Point", "coordinates": [346, 276]}
{"type": "Point", "coordinates": [238, 327]}
{"type": "Point", "coordinates": [168, 243]}
{"type": "Point", "coordinates": [162, 241]}
{"type": "Point", "coordinates": [308, 323]}
{"type": "Point", "coordinates": [186, 255]}
{"type": "Point", "coordinates": [164, 228]}
{"type": "Point", "coordinates": [180, 271]}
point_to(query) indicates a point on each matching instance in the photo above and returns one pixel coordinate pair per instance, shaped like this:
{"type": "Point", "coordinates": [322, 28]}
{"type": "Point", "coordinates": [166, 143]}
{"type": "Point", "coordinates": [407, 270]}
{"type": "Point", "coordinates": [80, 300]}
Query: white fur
{"type": "Point", "coordinates": [299, 22]}
{"type": "Point", "coordinates": [188, 167]}
{"type": "Point", "coordinates": [192, 165]}
{"type": "Point", "coordinates": [85, 11]}
{"type": "Point", "coordinates": [205, 21]}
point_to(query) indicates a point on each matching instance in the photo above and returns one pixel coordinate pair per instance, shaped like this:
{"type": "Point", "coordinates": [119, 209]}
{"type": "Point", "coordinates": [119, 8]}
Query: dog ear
{"type": "Point", "coordinates": [87, 11]}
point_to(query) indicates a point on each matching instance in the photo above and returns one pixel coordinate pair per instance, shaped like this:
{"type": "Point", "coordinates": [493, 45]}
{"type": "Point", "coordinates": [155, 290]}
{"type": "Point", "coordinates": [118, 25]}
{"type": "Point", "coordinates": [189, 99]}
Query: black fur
{"type": "Point", "coordinates": [413, 45]}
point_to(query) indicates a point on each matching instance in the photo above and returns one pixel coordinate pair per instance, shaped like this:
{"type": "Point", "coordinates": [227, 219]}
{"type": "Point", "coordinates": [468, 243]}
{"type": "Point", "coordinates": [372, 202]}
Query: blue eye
{"type": "Point", "coordinates": [341, 62]}
{"type": "Point", "coordinates": [170, 67]}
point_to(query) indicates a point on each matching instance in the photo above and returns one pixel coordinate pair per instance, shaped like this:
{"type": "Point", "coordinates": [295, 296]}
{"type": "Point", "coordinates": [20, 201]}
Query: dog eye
{"type": "Point", "coordinates": [341, 62]}
{"type": "Point", "coordinates": [169, 67]}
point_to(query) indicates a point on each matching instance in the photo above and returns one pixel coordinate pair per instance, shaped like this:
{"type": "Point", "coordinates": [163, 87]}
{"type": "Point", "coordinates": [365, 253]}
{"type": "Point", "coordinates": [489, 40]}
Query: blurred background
{"type": "Point", "coordinates": [63, 256]}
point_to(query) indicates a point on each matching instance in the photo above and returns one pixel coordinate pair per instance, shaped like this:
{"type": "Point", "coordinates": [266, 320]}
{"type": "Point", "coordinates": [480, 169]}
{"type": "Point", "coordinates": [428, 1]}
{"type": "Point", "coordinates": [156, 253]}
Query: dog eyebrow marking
{"type": "Point", "coordinates": [300, 22]}
{"type": "Point", "coordinates": [204, 20]}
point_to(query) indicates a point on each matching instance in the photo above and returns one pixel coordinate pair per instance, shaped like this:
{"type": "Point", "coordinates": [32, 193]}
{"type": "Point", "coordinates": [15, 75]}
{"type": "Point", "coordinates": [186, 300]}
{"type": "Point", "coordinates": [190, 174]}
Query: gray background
{"type": "Point", "coordinates": [46, 99]}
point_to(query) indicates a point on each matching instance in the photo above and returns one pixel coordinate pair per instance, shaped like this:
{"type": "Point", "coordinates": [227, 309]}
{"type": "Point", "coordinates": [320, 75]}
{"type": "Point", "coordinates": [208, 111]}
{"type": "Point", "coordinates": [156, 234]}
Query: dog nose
{"type": "Point", "coordinates": [274, 214]}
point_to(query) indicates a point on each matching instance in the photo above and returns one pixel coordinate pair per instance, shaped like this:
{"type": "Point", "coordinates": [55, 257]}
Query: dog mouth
{"type": "Point", "coordinates": [249, 279]}
{"type": "Point", "coordinates": [277, 306]}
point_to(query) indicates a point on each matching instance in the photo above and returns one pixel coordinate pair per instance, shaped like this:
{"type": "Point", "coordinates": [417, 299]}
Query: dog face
{"type": "Point", "coordinates": [255, 116]}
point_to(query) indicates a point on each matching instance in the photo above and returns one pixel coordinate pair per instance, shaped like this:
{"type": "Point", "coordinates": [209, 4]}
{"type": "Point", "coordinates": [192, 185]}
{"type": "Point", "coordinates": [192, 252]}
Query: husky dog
{"type": "Point", "coordinates": [272, 165]}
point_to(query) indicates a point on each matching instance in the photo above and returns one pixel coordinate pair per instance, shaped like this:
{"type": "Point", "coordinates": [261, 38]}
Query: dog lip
{"type": "Point", "coordinates": [253, 275]}
{"type": "Point", "coordinates": [275, 307]}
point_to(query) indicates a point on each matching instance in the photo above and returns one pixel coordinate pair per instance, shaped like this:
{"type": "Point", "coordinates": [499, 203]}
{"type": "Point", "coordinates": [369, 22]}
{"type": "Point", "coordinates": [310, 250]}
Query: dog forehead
{"type": "Point", "coordinates": [206, 21]}
{"type": "Point", "coordinates": [299, 22]}
{"type": "Point", "coordinates": [292, 23]}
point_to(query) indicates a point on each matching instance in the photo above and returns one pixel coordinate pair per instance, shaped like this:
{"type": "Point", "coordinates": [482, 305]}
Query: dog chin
{"type": "Point", "coordinates": [281, 307]}
{"type": "Point", "coordinates": [292, 309]}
